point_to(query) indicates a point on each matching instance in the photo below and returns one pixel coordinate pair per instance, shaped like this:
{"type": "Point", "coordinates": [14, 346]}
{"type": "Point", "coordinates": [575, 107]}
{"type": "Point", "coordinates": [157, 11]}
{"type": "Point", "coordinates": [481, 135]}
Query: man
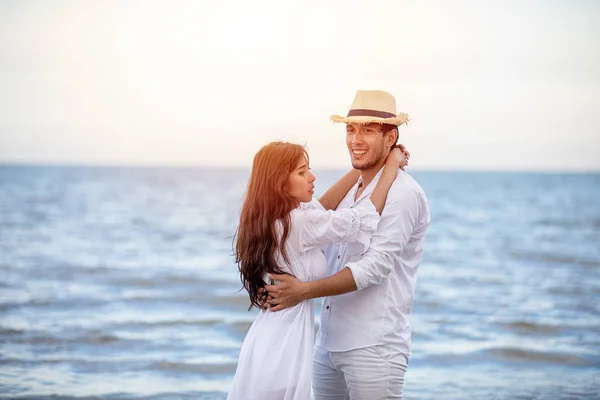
{"type": "Point", "coordinates": [363, 345]}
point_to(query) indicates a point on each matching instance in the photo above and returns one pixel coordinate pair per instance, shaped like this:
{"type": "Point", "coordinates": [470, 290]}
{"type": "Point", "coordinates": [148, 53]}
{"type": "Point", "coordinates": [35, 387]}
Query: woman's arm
{"type": "Point", "coordinates": [332, 197]}
{"type": "Point", "coordinates": [395, 160]}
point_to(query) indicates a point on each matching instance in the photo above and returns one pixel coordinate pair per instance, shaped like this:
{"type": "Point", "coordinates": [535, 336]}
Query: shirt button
{"type": "Point", "coordinates": [327, 307]}
{"type": "Point", "coordinates": [339, 256]}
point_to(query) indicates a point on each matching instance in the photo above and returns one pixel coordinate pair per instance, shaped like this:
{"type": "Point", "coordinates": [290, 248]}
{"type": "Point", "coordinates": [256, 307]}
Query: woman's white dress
{"type": "Point", "coordinates": [275, 361]}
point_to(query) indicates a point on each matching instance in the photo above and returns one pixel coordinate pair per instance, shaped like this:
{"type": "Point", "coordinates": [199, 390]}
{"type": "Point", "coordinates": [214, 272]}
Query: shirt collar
{"type": "Point", "coordinates": [369, 189]}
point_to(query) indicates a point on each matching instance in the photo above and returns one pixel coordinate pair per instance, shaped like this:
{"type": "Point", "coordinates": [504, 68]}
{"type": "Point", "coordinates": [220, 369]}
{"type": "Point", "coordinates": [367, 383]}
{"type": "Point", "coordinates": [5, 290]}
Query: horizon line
{"type": "Point", "coordinates": [239, 168]}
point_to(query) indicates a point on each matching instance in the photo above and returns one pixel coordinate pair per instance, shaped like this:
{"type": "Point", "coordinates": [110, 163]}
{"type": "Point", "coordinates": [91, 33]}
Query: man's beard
{"type": "Point", "coordinates": [374, 161]}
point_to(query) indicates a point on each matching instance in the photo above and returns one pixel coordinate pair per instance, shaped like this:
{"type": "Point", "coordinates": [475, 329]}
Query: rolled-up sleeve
{"type": "Point", "coordinates": [398, 221]}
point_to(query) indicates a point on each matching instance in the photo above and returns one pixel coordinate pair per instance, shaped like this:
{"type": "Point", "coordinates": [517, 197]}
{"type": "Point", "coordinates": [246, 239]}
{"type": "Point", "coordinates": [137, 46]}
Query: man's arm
{"type": "Point", "coordinates": [403, 216]}
{"type": "Point", "coordinates": [290, 291]}
{"type": "Point", "coordinates": [399, 219]}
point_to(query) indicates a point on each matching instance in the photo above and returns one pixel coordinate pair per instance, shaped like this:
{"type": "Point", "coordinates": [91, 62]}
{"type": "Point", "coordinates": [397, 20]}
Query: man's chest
{"type": "Point", "coordinates": [337, 254]}
{"type": "Point", "coordinates": [336, 257]}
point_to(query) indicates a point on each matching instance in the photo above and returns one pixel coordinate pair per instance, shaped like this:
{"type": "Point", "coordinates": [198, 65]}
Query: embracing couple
{"type": "Point", "coordinates": [358, 247]}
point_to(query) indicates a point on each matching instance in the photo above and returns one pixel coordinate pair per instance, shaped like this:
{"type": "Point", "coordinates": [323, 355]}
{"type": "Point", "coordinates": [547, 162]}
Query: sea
{"type": "Point", "coordinates": [119, 283]}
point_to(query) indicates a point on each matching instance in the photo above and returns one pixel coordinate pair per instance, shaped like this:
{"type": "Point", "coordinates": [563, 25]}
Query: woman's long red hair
{"type": "Point", "coordinates": [257, 238]}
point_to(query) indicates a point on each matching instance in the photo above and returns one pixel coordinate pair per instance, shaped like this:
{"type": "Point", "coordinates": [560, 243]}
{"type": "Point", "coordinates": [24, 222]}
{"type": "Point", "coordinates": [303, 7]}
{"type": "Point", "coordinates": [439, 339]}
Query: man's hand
{"type": "Point", "coordinates": [265, 299]}
{"type": "Point", "coordinates": [285, 294]}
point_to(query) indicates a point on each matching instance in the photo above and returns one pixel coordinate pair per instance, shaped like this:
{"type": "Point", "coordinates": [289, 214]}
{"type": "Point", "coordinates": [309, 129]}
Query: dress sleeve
{"type": "Point", "coordinates": [319, 227]}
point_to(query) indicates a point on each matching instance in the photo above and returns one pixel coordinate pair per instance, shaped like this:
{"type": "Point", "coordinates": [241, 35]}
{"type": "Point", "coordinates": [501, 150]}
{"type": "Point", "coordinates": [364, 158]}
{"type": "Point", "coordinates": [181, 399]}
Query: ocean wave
{"type": "Point", "coordinates": [171, 323]}
{"type": "Point", "coordinates": [506, 354]}
{"type": "Point", "coordinates": [524, 355]}
{"type": "Point", "coordinates": [41, 338]}
{"type": "Point", "coordinates": [539, 256]}
{"type": "Point", "coordinates": [528, 327]}
{"type": "Point", "coordinates": [208, 368]}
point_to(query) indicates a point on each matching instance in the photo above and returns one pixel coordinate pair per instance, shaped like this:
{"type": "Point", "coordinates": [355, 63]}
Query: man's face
{"type": "Point", "coordinates": [367, 144]}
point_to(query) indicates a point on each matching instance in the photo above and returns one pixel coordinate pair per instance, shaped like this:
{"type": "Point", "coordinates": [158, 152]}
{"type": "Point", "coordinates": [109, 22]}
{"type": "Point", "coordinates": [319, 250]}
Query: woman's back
{"type": "Point", "coordinates": [275, 361]}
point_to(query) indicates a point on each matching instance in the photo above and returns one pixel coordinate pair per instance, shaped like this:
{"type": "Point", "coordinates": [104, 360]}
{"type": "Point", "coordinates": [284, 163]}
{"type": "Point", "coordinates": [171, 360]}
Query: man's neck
{"type": "Point", "coordinates": [366, 176]}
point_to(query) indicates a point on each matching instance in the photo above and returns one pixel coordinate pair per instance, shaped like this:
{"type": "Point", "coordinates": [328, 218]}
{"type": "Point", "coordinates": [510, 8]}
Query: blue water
{"type": "Point", "coordinates": [118, 283]}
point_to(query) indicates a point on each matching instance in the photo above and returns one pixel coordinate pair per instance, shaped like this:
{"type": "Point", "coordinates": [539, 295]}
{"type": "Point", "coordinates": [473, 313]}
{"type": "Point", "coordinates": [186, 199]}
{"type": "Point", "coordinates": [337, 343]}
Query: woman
{"type": "Point", "coordinates": [280, 233]}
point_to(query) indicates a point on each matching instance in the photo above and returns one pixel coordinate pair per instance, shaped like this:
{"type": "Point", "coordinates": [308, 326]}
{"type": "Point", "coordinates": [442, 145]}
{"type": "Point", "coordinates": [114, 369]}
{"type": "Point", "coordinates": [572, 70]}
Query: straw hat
{"type": "Point", "coordinates": [372, 106]}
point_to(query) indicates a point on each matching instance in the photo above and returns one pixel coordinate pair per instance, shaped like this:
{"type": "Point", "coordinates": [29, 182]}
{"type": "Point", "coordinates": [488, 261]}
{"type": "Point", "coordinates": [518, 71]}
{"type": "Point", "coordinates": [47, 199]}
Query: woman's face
{"type": "Point", "coordinates": [300, 184]}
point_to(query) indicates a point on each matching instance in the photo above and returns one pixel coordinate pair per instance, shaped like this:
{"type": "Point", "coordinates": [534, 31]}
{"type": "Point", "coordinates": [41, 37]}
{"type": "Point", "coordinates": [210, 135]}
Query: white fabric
{"type": "Point", "coordinates": [275, 361]}
{"type": "Point", "coordinates": [369, 373]}
{"type": "Point", "coordinates": [385, 274]}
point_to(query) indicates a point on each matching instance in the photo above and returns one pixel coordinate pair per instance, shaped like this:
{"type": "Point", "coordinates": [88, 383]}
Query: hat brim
{"type": "Point", "coordinates": [399, 120]}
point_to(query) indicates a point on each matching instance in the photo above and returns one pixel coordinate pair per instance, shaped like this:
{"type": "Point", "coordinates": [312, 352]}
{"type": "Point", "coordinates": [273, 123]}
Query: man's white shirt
{"type": "Point", "coordinates": [385, 275]}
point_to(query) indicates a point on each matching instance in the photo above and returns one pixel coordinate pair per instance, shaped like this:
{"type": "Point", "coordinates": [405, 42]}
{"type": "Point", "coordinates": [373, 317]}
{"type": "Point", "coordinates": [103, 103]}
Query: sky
{"type": "Point", "coordinates": [488, 85]}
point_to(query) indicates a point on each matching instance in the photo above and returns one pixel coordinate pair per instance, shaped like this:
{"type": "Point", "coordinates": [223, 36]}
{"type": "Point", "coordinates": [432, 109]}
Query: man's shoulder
{"type": "Point", "coordinates": [407, 194]}
{"type": "Point", "coordinates": [405, 183]}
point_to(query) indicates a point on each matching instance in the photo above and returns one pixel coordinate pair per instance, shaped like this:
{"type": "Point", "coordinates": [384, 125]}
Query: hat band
{"type": "Point", "coordinates": [370, 113]}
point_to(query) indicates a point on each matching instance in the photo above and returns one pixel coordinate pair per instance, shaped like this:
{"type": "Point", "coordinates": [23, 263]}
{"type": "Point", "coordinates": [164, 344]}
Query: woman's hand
{"type": "Point", "coordinates": [398, 157]}
{"type": "Point", "coordinates": [404, 151]}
